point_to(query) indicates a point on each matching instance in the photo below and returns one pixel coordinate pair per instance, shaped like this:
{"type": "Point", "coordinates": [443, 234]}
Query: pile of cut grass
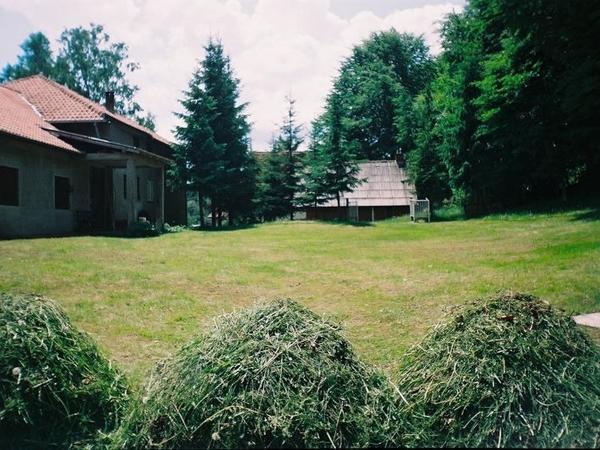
{"type": "Point", "coordinates": [55, 386]}
{"type": "Point", "coordinates": [270, 376]}
{"type": "Point", "coordinates": [504, 372]}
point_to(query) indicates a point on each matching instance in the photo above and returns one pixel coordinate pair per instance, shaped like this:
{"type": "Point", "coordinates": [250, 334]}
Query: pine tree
{"type": "Point", "coordinates": [280, 182]}
{"type": "Point", "coordinates": [315, 166]}
{"type": "Point", "coordinates": [342, 167]}
{"type": "Point", "coordinates": [213, 155]}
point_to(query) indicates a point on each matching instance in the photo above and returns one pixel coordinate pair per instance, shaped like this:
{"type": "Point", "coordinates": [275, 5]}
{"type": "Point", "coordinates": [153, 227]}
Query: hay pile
{"type": "Point", "coordinates": [509, 372]}
{"type": "Point", "coordinates": [270, 376]}
{"type": "Point", "coordinates": [55, 386]}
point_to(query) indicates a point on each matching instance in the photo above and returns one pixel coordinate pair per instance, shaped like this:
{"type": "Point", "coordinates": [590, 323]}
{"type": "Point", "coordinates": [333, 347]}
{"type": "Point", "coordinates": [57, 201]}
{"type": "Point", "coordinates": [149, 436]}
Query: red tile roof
{"type": "Point", "coordinates": [19, 118]}
{"type": "Point", "coordinates": [57, 103]}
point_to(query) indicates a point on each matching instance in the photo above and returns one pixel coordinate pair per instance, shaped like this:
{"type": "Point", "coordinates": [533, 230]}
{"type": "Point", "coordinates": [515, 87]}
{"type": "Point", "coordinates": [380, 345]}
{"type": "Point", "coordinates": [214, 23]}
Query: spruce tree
{"type": "Point", "coordinates": [342, 167]}
{"type": "Point", "coordinates": [280, 182]}
{"type": "Point", "coordinates": [315, 165]}
{"type": "Point", "coordinates": [213, 155]}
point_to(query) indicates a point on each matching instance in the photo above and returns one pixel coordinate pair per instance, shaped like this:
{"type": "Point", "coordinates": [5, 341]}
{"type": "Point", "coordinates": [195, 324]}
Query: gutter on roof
{"type": "Point", "coordinates": [111, 144]}
{"type": "Point", "coordinates": [76, 121]}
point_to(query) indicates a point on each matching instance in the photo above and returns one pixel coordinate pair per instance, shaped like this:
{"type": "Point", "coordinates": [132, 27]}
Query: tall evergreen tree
{"type": "Point", "coordinates": [425, 166]}
{"type": "Point", "coordinates": [342, 168]}
{"type": "Point", "coordinates": [315, 167]}
{"type": "Point", "coordinates": [213, 155]}
{"type": "Point", "coordinates": [280, 182]}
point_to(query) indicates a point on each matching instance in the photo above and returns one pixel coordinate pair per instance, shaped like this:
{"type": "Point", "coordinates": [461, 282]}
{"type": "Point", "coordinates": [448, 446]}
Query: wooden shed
{"type": "Point", "coordinates": [385, 192]}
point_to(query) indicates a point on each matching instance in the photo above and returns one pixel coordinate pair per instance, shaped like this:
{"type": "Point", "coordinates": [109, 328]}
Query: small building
{"type": "Point", "coordinates": [385, 192]}
{"type": "Point", "coordinates": [69, 164]}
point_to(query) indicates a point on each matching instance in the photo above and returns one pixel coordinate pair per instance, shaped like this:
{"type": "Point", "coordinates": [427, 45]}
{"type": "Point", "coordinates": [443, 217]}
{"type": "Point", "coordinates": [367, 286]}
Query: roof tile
{"type": "Point", "coordinates": [57, 103]}
{"type": "Point", "coordinates": [19, 118]}
{"type": "Point", "coordinates": [386, 185]}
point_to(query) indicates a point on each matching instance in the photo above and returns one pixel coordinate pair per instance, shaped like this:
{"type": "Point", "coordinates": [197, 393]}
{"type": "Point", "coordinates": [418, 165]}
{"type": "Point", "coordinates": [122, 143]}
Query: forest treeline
{"type": "Point", "coordinates": [503, 115]}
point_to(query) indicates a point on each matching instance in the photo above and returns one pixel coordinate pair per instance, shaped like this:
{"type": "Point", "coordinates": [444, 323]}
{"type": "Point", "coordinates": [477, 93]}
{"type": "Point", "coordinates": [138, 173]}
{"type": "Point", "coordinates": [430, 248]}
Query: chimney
{"type": "Point", "coordinates": [400, 160]}
{"type": "Point", "coordinates": [109, 100]}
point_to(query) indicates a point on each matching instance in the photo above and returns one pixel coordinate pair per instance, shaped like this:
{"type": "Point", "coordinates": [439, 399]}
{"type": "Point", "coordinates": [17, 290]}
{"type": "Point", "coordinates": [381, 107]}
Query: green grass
{"type": "Point", "coordinates": [388, 283]}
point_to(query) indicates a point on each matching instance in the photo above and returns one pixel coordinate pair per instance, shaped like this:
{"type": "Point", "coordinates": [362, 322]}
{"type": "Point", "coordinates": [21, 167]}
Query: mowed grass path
{"type": "Point", "coordinates": [388, 283]}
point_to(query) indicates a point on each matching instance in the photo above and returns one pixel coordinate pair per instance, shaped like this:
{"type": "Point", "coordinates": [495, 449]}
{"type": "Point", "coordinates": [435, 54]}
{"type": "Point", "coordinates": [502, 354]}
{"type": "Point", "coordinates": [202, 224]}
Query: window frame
{"type": "Point", "coordinates": [150, 191]}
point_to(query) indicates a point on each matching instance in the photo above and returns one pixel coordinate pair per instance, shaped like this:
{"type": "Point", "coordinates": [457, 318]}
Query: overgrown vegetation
{"type": "Point", "coordinates": [56, 388]}
{"type": "Point", "coordinates": [270, 376]}
{"type": "Point", "coordinates": [508, 371]}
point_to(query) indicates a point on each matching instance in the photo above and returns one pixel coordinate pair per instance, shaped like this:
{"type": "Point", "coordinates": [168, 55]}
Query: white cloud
{"type": "Point", "coordinates": [277, 48]}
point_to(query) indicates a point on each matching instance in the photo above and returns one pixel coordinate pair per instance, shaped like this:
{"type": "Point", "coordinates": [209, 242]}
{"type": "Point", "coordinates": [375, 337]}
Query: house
{"type": "Point", "coordinates": [385, 192]}
{"type": "Point", "coordinates": [69, 164]}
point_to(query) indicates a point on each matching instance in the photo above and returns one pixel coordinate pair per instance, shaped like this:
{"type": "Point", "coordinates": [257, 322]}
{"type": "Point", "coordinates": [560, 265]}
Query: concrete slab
{"type": "Point", "coordinates": [590, 320]}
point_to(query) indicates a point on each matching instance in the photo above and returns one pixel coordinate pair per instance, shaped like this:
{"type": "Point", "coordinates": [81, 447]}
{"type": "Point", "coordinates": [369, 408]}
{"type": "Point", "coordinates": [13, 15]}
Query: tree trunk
{"type": "Point", "coordinates": [337, 196]}
{"type": "Point", "coordinates": [220, 215]}
{"type": "Point", "coordinates": [213, 213]}
{"type": "Point", "coordinates": [201, 209]}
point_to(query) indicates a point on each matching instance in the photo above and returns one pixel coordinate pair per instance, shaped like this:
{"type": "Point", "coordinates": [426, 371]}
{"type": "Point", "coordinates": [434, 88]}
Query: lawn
{"type": "Point", "coordinates": [388, 283]}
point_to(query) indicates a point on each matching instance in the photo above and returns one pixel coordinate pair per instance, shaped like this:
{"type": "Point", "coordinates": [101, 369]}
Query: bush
{"type": "Point", "coordinates": [270, 376]}
{"type": "Point", "coordinates": [509, 372]}
{"type": "Point", "coordinates": [142, 229]}
{"type": "Point", "coordinates": [172, 228]}
{"type": "Point", "coordinates": [55, 386]}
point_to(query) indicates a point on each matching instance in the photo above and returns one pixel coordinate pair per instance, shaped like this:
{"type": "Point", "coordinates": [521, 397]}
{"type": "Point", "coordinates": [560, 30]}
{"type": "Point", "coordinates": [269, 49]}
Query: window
{"type": "Point", "coordinates": [139, 197]}
{"type": "Point", "coordinates": [149, 191]}
{"type": "Point", "coordinates": [9, 186]}
{"type": "Point", "coordinates": [62, 193]}
{"type": "Point", "coordinates": [125, 187]}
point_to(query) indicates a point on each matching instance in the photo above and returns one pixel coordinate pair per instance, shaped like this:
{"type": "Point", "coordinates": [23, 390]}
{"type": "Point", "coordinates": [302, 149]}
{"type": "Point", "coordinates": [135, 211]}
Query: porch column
{"type": "Point", "coordinates": [131, 191]}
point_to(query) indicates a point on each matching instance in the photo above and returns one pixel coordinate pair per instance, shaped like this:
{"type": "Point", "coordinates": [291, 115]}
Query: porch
{"type": "Point", "coordinates": [124, 188]}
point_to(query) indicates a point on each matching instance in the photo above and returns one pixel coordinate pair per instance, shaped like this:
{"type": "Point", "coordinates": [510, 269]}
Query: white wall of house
{"type": "Point", "coordinates": [38, 165]}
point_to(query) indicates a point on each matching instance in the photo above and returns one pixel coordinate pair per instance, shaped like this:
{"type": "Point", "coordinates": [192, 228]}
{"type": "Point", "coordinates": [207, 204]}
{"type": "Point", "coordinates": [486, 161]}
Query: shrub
{"type": "Point", "coordinates": [506, 371]}
{"type": "Point", "coordinates": [55, 386]}
{"type": "Point", "coordinates": [172, 228]}
{"type": "Point", "coordinates": [142, 229]}
{"type": "Point", "coordinates": [270, 376]}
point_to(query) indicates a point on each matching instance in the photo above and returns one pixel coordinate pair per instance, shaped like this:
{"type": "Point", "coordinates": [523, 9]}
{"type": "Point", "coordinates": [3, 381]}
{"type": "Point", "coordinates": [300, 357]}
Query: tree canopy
{"type": "Point", "coordinates": [87, 62]}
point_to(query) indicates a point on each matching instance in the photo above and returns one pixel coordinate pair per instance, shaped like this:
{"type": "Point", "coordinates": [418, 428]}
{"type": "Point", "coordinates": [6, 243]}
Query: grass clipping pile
{"type": "Point", "coordinates": [55, 386]}
{"type": "Point", "coordinates": [276, 375]}
{"type": "Point", "coordinates": [504, 372]}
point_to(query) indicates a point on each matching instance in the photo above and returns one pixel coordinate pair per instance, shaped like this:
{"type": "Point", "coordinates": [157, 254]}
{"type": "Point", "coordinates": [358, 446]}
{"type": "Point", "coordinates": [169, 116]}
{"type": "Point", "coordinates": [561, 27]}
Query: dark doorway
{"type": "Point", "coordinates": [101, 198]}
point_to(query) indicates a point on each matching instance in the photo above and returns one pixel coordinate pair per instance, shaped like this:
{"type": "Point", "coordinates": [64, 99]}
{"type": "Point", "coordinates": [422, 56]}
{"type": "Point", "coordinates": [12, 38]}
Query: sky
{"type": "Point", "coordinates": [277, 47]}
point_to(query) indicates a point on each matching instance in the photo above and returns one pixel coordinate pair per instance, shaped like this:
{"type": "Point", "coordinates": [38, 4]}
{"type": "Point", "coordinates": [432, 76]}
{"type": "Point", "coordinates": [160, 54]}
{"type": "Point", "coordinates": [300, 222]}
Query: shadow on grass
{"type": "Point", "coordinates": [591, 215]}
{"type": "Point", "coordinates": [224, 228]}
{"type": "Point", "coordinates": [584, 207]}
{"type": "Point", "coordinates": [448, 214]}
{"type": "Point", "coordinates": [349, 223]}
